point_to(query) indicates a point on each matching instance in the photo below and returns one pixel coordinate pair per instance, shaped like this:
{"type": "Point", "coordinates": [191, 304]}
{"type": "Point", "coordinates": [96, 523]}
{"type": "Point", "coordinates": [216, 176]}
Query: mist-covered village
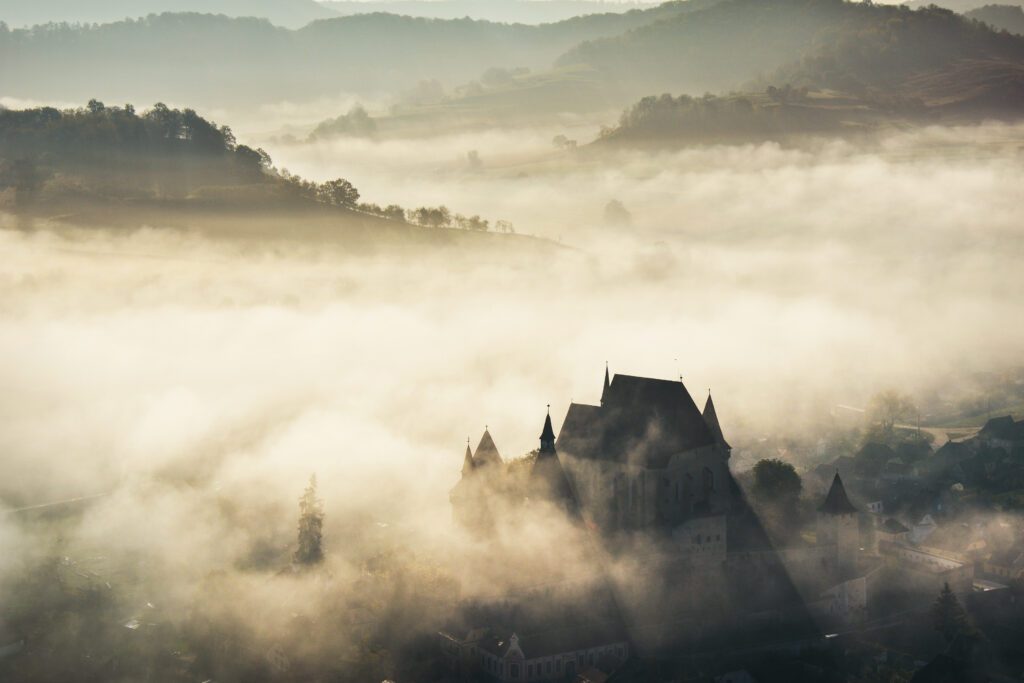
{"type": "Point", "coordinates": [582, 341]}
{"type": "Point", "coordinates": [631, 544]}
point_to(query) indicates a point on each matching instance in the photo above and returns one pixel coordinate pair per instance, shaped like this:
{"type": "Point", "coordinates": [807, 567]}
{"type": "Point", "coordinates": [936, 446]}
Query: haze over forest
{"type": "Point", "coordinates": [249, 242]}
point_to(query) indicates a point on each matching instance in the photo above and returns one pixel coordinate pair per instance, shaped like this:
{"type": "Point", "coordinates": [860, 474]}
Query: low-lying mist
{"type": "Point", "coordinates": [199, 382]}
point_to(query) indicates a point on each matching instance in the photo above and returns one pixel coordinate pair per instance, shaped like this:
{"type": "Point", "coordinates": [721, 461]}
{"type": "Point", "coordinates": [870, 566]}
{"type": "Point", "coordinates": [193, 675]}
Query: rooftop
{"type": "Point", "coordinates": [837, 502]}
{"type": "Point", "coordinates": [642, 419]}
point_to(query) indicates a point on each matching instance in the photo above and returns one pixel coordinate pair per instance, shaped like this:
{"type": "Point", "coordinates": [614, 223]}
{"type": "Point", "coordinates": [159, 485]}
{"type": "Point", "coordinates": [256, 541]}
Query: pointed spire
{"type": "Point", "coordinates": [547, 435]}
{"type": "Point", "coordinates": [467, 462]}
{"type": "Point", "coordinates": [837, 502]}
{"type": "Point", "coordinates": [486, 451]}
{"type": "Point", "coordinates": [548, 480]}
{"type": "Point", "coordinates": [711, 418]}
{"type": "Point", "coordinates": [607, 383]}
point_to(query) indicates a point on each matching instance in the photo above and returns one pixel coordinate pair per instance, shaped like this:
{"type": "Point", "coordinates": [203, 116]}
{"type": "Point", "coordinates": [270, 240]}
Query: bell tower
{"type": "Point", "coordinates": [837, 526]}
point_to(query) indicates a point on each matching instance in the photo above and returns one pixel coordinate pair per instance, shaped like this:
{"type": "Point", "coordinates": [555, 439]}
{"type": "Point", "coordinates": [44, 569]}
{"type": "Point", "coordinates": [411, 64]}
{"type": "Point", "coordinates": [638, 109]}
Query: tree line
{"type": "Point", "coordinates": [166, 153]}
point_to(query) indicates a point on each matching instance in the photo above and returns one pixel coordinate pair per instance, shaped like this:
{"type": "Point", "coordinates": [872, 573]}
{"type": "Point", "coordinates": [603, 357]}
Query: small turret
{"type": "Point", "coordinates": [837, 502]}
{"type": "Point", "coordinates": [467, 462]}
{"type": "Point", "coordinates": [486, 452]}
{"type": "Point", "coordinates": [548, 480]}
{"type": "Point", "coordinates": [837, 527]}
{"type": "Point", "coordinates": [711, 418]}
{"type": "Point", "coordinates": [547, 435]}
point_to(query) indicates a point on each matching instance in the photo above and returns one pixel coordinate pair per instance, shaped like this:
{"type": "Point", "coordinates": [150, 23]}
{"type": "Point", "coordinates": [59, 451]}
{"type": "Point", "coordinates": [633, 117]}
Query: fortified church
{"type": "Point", "coordinates": [646, 472]}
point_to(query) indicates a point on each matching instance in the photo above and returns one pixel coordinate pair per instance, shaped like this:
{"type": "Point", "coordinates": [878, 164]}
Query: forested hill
{"type": "Point", "coordinates": [193, 57]}
{"type": "Point", "coordinates": [116, 153]}
{"type": "Point", "coordinates": [116, 159]}
{"type": "Point", "coordinates": [24, 13]}
{"type": "Point", "coordinates": [814, 42]}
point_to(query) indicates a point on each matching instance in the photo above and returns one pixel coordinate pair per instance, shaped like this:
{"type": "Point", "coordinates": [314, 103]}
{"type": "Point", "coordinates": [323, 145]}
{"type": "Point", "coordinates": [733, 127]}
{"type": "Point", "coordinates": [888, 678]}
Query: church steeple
{"type": "Point", "coordinates": [467, 462]}
{"type": "Point", "coordinates": [486, 451]}
{"type": "Point", "coordinates": [711, 418]}
{"type": "Point", "coordinates": [547, 435]}
{"type": "Point", "coordinates": [548, 480]}
{"type": "Point", "coordinates": [607, 383]}
{"type": "Point", "coordinates": [837, 502]}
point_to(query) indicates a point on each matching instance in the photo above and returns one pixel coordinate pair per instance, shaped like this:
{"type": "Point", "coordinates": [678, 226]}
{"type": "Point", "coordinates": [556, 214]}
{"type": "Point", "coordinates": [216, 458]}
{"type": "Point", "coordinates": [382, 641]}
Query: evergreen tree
{"type": "Point", "coordinates": [311, 522]}
{"type": "Point", "coordinates": [950, 618]}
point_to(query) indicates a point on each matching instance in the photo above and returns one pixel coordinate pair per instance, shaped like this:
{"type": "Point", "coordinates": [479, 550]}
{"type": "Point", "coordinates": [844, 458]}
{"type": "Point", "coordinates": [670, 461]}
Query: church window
{"type": "Point", "coordinates": [677, 491]}
{"type": "Point", "coordinates": [514, 670]}
{"type": "Point", "coordinates": [547, 667]}
{"type": "Point", "coordinates": [529, 670]}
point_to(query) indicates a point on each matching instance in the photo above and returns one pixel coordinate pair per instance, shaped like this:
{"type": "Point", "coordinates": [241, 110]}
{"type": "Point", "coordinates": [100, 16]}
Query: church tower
{"type": "Point", "coordinates": [467, 461]}
{"type": "Point", "coordinates": [548, 480]}
{"type": "Point", "coordinates": [481, 477]}
{"type": "Point", "coordinates": [838, 528]}
{"type": "Point", "coordinates": [711, 417]}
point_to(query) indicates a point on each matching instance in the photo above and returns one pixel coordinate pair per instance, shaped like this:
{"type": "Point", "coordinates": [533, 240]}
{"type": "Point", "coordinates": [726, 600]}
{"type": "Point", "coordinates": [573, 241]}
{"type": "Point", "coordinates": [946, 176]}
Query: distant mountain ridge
{"type": "Point", "coordinates": [961, 6]}
{"type": "Point", "coordinates": [510, 11]}
{"type": "Point", "coordinates": [191, 57]}
{"type": "Point", "coordinates": [609, 60]}
{"type": "Point", "coordinates": [824, 43]}
{"type": "Point", "coordinates": [25, 13]}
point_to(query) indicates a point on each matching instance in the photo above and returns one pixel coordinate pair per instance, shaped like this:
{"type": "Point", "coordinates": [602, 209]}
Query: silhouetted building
{"type": "Point", "coordinates": [838, 528]}
{"type": "Point", "coordinates": [473, 497]}
{"type": "Point", "coordinates": [646, 457]}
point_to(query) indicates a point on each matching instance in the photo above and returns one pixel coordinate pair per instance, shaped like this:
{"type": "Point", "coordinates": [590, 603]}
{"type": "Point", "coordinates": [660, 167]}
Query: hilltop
{"type": "Point", "coordinates": [825, 68]}
{"type": "Point", "coordinates": [112, 165]}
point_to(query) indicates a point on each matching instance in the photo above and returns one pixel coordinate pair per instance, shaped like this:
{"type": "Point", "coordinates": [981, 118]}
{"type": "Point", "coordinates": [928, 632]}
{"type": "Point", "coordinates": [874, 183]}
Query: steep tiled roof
{"type": "Point", "coordinates": [644, 420]}
{"type": "Point", "coordinates": [1001, 428]}
{"type": "Point", "coordinates": [487, 452]}
{"type": "Point", "coordinates": [711, 417]}
{"type": "Point", "coordinates": [837, 502]}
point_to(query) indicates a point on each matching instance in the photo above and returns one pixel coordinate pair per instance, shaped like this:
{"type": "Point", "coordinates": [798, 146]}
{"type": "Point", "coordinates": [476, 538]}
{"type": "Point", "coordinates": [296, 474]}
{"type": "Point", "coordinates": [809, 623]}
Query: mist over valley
{"type": "Point", "coordinates": [634, 343]}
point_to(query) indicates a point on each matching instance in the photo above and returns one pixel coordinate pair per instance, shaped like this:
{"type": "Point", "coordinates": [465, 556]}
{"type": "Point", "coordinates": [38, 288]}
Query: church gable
{"type": "Point", "coordinates": [642, 420]}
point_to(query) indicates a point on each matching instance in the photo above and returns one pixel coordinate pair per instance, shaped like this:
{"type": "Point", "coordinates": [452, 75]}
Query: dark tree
{"type": "Point", "coordinates": [776, 481]}
{"type": "Point", "coordinates": [339, 192]}
{"type": "Point", "coordinates": [951, 621]}
{"type": "Point", "coordinates": [393, 212]}
{"type": "Point", "coordinates": [435, 217]}
{"type": "Point", "coordinates": [311, 522]}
